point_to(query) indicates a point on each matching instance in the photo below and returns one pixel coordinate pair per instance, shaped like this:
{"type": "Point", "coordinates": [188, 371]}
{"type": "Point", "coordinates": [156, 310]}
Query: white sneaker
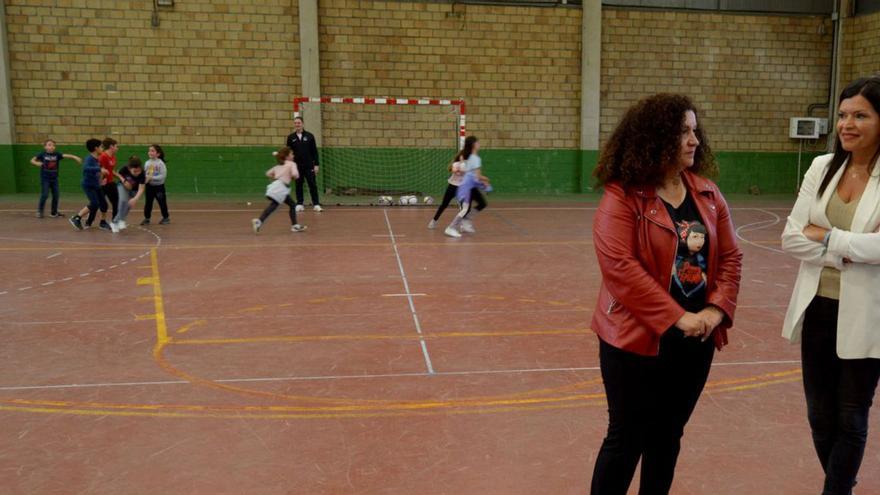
{"type": "Point", "coordinates": [468, 226]}
{"type": "Point", "coordinates": [451, 232]}
{"type": "Point", "coordinates": [298, 228]}
{"type": "Point", "coordinates": [432, 224]}
{"type": "Point", "coordinates": [122, 225]}
{"type": "Point", "coordinates": [300, 208]}
{"type": "Point", "coordinates": [114, 227]}
{"type": "Point", "coordinates": [318, 208]}
{"type": "Point", "coordinates": [256, 224]}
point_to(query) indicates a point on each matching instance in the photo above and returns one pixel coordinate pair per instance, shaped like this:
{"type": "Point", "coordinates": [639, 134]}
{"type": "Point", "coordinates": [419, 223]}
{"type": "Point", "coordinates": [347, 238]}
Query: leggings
{"type": "Point", "coordinates": [448, 196]}
{"type": "Point", "coordinates": [124, 196]}
{"type": "Point", "coordinates": [96, 202]}
{"type": "Point", "coordinates": [156, 192]}
{"type": "Point", "coordinates": [466, 209]}
{"type": "Point", "coordinates": [274, 205]}
{"type": "Point", "coordinates": [112, 196]}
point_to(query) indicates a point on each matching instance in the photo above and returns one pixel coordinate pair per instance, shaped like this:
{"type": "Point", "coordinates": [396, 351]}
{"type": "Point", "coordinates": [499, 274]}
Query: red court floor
{"type": "Point", "coordinates": [368, 355]}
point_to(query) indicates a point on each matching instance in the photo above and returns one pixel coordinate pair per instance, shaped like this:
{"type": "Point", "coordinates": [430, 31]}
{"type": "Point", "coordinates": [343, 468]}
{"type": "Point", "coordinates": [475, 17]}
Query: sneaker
{"type": "Point", "coordinates": [298, 228]}
{"type": "Point", "coordinates": [57, 214]}
{"type": "Point", "coordinates": [468, 226]}
{"type": "Point", "coordinates": [300, 208]}
{"type": "Point", "coordinates": [104, 225]}
{"type": "Point", "coordinates": [451, 232]}
{"type": "Point", "coordinates": [145, 221]}
{"type": "Point", "coordinates": [165, 221]}
{"type": "Point", "coordinates": [122, 224]}
{"type": "Point", "coordinates": [114, 227]}
{"type": "Point", "coordinates": [39, 214]}
{"type": "Point", "coordinates": [256, 224]}
{"type": "Point", "coordinates": [76, 221]}
{"type": "Point", "coordinates": [432, 224]}
{"type": "Point", "coordinates": [318, 208]}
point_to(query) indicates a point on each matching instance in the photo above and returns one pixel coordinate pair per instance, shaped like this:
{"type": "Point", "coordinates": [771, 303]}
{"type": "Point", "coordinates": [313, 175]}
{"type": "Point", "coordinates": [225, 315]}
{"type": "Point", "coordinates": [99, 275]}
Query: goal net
{"type": "Point", "coordinates": [374, 147]}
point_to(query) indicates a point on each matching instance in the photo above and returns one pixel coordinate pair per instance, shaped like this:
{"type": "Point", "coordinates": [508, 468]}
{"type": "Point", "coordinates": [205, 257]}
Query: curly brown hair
{"type": "Point", "coordinates": [644, 147]}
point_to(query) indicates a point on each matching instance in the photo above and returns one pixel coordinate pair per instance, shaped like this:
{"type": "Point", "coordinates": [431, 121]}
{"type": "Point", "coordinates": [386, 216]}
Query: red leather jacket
{"type": "Point", "coordinates": [636, 244]}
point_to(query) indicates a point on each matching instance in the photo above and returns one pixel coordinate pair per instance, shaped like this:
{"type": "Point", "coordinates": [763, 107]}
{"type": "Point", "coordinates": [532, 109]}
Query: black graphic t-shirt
{"type": "Point", "coordinates": [49, 162]}
{"type": "Point", "coordinates": [689, 277]}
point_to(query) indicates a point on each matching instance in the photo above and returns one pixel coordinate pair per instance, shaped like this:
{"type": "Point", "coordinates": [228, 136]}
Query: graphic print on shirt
{"type": "Point", "coordinates": [689, 272]}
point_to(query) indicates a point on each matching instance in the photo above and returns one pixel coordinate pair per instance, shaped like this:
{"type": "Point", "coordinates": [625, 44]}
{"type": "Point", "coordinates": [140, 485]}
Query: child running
{"type": "Point", "coordinates": [91, 185]}
{"type": "Point", "coordinates": [457, 170]}
{"type": "Point", "coordinates": [107, 159]}
{"type": "Point", "coordinates": [130, 188]}
{"type": "Point", "coordinates": [279, 190]}
{"type": "Point", "coordinates": [48, 161]}
{"type": "Point", "coordinates": [155, 185]}
{"type": "Point", "coordinates": [473, 182]}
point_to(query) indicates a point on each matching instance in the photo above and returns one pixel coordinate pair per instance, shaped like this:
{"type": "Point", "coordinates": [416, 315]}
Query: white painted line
{"type": "Point", "coordinates": [123, 262]}
{"type": "Point", "coordinates": [412, 306]}
{"type": "Point", "coordinates": [113, 266]}
{"type": "Point", "coordinates": [135, 259]}
{"type": "Point", "coordinates": [99, 270]}
{"type": "Point", "coordinates": [404, 295]}
{"type": "Point", "coordinates": [223, 260]}
{"type": "Point", "coordinates": [52, 256]}
{"type": "Point", "coordinates": [25, 288]}
{"type": "Point", "coordinates": [347, 377]}
{"type": "Point", "coordinates": [83, 274]}
{"type": "Point", "coordinates": [44, 284]}
{"type": "Point", "coordinates": [387, 235]}
{"type": "Point", "coordinates": [67, 279]}
{"type": "Point", "coordinates": [4, 292]}
{"type": "Point", "coordinates": [754, 226]}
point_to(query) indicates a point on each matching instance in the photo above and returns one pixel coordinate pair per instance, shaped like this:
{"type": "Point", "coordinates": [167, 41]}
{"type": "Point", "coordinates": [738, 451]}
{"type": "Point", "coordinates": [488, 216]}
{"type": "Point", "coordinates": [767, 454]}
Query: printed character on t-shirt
{"type": "Point", "coordinates": [689, 272]}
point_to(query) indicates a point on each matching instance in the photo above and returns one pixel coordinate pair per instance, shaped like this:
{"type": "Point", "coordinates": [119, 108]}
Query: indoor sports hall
{"type": "Point", "coordinates": [199, 345]}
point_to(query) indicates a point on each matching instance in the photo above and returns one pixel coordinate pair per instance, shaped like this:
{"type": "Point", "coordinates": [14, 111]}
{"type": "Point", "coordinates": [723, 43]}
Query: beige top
{"type": "Point", "coordinates": [840, 215]}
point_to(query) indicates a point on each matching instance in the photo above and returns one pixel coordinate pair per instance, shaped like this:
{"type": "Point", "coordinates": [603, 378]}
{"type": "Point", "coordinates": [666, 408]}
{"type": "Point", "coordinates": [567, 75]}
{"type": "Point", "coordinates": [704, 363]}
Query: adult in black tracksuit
{"type": "Point", "coordinates": [305, 153]}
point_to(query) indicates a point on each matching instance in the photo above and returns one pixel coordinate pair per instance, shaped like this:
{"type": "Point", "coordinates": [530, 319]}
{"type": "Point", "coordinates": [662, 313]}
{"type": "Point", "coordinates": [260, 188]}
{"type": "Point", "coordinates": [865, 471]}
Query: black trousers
{"type": "Point", "coordinates": [112, 195]}
{"type": "Point", "coordinates": [839, 395]}
{"type": "Point", "coordinates": [448, 196]}
{"type": "Point", "coordinates": [307, 174]}
{"type": "Point", "coordinates": [48, 184]}
{"type": "Point", "coordinates": [650, 400]}
{"type": "Point", "coordinates": [96, 202]}
{"type": "Point", "coordinates": [273, 205]}
{"type": "Point", "coordinates": [155, 192]}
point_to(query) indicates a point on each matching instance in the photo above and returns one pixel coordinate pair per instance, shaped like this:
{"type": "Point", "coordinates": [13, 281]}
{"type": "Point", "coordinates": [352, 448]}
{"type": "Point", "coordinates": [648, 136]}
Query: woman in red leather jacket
{"type": "Point", "coordinates": [670, 278]}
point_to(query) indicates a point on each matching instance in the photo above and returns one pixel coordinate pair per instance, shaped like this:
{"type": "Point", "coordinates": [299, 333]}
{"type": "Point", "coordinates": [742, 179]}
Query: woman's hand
{"type": "Point", "coordinates": [132, 202]}
{"type": "Point", "coordinates": [815, 233]}
{"type": "Point", "coordinates": [712, 317]}
{"type": "Point", "coordinates": [692, 325]}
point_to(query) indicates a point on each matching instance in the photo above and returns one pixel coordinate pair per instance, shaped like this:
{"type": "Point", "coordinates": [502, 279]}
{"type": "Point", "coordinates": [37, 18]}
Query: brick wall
{"type": "Point", "coordinates": [518, 68]}
{"type": "Point", "coordinates": [860, 55]}
{"type": "Point", "coordinates": [748, 73]}
{"type": "Point", "coordinates": [214, 71]}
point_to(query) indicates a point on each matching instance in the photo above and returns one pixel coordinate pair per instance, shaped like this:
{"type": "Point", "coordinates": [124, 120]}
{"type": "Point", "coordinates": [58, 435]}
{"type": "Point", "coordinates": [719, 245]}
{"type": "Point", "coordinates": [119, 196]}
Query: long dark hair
{"type": "Point", "coordinates": [468, 149]}
{"type": "Point", "coordinates": [644, 147]}
{"type": "Point", "coordinates": [160, 153]}
{"type": "Point", "coordinates": [869, 88]}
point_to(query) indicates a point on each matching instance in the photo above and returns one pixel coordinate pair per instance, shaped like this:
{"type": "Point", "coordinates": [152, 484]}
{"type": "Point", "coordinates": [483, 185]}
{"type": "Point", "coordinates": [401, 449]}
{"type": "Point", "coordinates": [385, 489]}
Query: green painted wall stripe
{"type": "Point", "coordinates": [239, 170]}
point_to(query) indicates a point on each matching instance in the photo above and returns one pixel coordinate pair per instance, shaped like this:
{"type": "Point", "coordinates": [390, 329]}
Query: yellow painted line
{"type": "Point", "coordinates": [145, 280]}
{"type": "Point", "coordinates": [190, 326]}
{"type": "Point", "coordinates": [145, 317]}
{"type": "Point", "coordinates": [313, 338]}
{"type": "Point", "coordinates": [161, 327]}
{"type": "Point", "coordinates": [253, 309]}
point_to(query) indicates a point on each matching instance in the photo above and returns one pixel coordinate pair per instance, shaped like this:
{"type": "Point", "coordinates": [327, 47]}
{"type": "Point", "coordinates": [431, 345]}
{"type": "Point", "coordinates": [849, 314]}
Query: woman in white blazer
{"type": "Point", "coordinates": [834, 313]}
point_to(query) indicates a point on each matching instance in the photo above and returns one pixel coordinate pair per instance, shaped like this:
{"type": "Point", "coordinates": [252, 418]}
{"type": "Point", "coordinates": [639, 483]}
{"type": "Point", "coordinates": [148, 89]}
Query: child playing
{"type": "Point", "coordinates": [91, 184]}
{"type": "Point", "coordinates": [279, 190]}
{"type": "Point", "coordinates": [48, 161]}
{"type": "Point", "coordinates": [457, 170]}
{"type": "Point", "coordinates": [107, 159]}
{"type": "Point", "coordinates": [130, 189]}
{"type": "Point", "coordinates": [155, 185]}
{"type": "Point", "coordinates": [473, 182]}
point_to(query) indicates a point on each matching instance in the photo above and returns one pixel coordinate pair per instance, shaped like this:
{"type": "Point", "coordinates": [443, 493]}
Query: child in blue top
{"type": "Point", "coordinates": [48, 161]}
{"type": "Point", "coordinates": [91, 184]}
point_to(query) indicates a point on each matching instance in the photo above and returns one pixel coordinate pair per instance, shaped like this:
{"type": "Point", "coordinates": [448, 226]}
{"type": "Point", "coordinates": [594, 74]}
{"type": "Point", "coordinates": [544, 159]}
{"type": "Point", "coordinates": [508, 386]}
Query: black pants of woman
{"type": "Point", "coordinates": [448, 196]}
{"type": "Point", "coordinates": [650, 400]}
{"type": "Point", "coordinates": [155, 192]}
{"type": "Point", "coordinates": [839, 395]}
{"type": "Point", "coordinates": [273, 205]}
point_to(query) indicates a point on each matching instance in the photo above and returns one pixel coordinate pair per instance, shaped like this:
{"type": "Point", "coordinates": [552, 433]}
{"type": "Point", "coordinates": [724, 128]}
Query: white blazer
{"type": "Point", "coordinates": [858, 320]}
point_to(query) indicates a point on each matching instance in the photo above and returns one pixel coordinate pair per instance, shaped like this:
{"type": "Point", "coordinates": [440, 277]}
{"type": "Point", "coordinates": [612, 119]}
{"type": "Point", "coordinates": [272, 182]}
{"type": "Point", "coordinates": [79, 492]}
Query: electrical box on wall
{"type": "Point", "coordinates": [807, 128]}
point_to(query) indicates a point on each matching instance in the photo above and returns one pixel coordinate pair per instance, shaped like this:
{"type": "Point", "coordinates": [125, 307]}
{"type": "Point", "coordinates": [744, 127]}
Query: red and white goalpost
{"type": "Point", "coordinates": [378, 147]}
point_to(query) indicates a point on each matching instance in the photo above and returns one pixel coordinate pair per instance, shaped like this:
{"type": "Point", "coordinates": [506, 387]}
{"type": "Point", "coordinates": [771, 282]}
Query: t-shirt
{"type": "Point", "coordinates": [285, 173]}
{"type": "Point", "coordinates": [108, 163]}
{"type": "Point", "coordinates": [91, 170]}
{"type": "Point", "coordinates": [689, 277]}
{"type": "Point", "coordinates": [457, 173]}
{"type": "Point", "coordinates": [472, 163]}
{"type": "Point", "coordinates": [50, 162]}
{"type": "Point", "coordinates": [132, 180]}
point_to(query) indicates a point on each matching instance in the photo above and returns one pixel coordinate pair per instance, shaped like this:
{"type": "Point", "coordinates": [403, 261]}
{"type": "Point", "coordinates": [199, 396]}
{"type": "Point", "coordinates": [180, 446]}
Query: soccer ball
{"type": "Point", "coordinates": [408, 200]}
{"type": "Point", "coordinates": [385, 200]}
{"type": "Point", "coordinates": [413, 200]}
{"type": "Point", "coordinates": [428, 200]}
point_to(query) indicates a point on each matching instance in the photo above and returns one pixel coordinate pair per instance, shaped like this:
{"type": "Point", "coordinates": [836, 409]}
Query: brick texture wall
{"type": "Point", "coordinates": [748, 73]}
{"type": "Point", "coordinates": [860, 55]}
{"type": "Point", "coordinates": [518, 68]}
{"type": "Point", "coordinates": [213, 72]}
